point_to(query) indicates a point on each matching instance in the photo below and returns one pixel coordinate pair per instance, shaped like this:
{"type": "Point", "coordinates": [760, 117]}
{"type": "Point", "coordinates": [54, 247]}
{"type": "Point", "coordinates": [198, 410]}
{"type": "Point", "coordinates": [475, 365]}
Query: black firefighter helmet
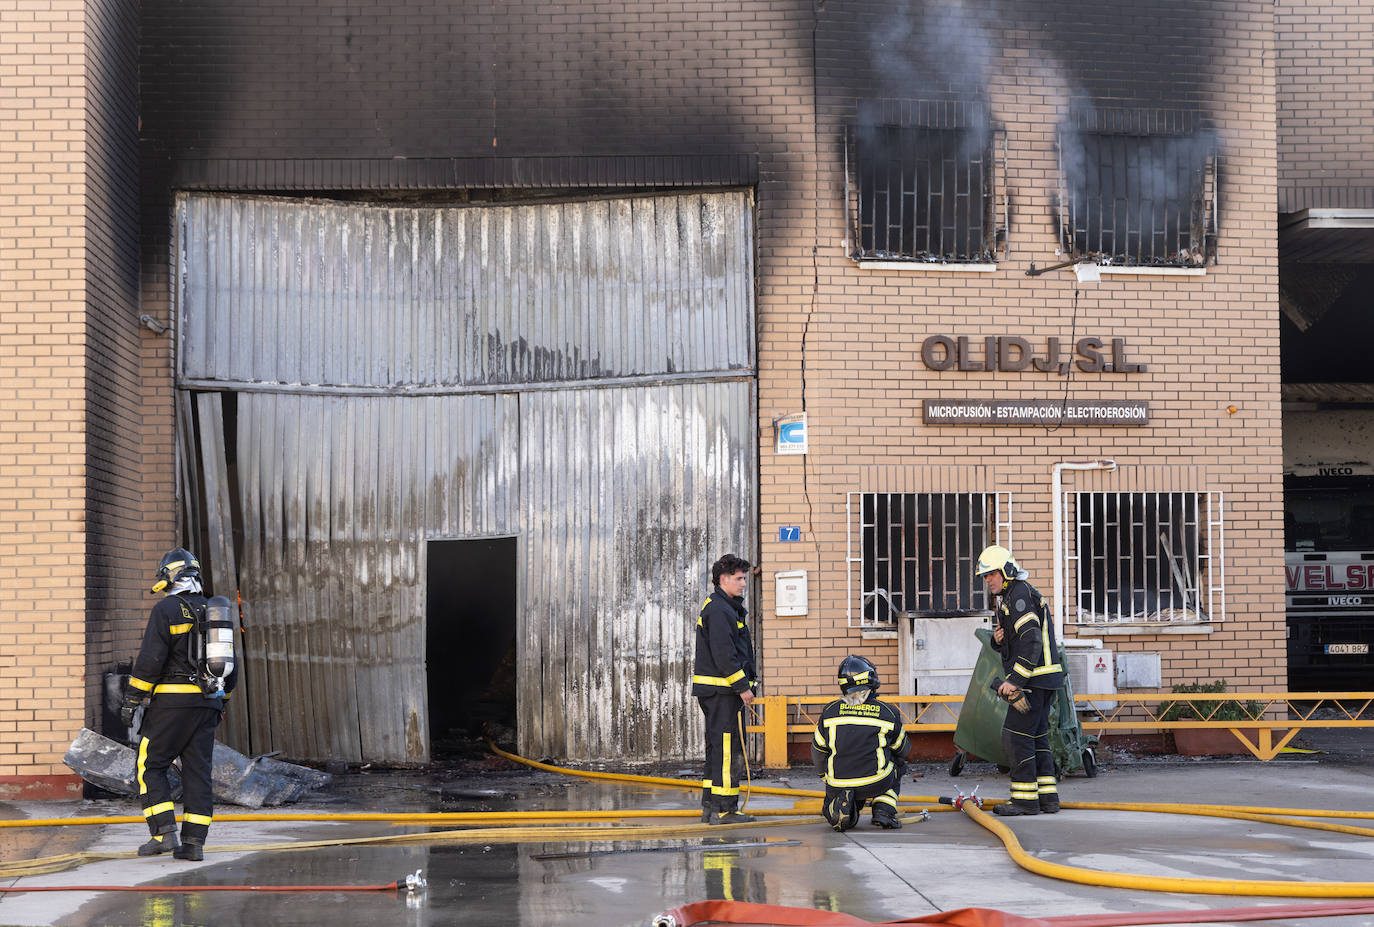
{"type": "Point", "coordinates": [176, 564]}
{"type": "Point", "coordinates": [857, 673]}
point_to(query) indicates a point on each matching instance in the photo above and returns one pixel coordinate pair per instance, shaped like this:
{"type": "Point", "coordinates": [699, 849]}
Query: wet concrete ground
{"type": "Point", "coordinates": [946, 862]}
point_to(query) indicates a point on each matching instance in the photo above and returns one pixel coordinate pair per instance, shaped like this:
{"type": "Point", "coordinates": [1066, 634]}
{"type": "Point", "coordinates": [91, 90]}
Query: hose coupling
{"type": "Point", "coordinates": [415, 890]}
{"type": "Point", "coordinates": [665, 920]}
{"type": "Point", "coordinates": [958, 800]}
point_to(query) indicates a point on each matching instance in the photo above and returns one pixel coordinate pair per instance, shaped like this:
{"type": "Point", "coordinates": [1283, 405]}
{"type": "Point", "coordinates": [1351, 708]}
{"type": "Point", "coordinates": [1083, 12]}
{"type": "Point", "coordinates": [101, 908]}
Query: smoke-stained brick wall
{"type": "Point", "coordinates": [1325, 92]}
{"type": "Point", "coordinates": [43, 441]}
{"type": "Point", "coordinates": [114, 513]}
{"type": "Point", "coordinates": [298, 82]}
{"type": "Point", "coordinates": [843, 343]}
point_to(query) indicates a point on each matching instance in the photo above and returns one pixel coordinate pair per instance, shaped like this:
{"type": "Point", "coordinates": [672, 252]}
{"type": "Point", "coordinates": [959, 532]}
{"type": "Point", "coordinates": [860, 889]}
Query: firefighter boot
{"type": "Point", "coordinates": [164, 841]}
{"type": "Point", "coordinates": [726, 811]}
{"type": "Point", "coordinates": [706, 806]}
{"type": "Point", "coordinates": [1014, 809]}
{"type": "Point", "coordinates": [885, 816]}
{"type": "Point", "coordinates": [841, 809]}
{"type": "Point", "coordinates": [1048, 789]}
{"type": "Point", "coordinates": [190, 849]}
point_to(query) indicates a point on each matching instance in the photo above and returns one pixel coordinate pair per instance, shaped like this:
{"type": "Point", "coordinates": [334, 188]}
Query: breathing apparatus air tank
{"type": "Point", "coordinates": [219, 640]}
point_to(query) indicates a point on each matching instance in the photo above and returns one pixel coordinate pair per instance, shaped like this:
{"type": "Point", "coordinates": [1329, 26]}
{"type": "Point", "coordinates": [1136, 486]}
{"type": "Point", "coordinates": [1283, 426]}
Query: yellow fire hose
{"type": "Point", "coordinates": [1164, 883]}
{"type": "Point", "coordinates": [577, 826]}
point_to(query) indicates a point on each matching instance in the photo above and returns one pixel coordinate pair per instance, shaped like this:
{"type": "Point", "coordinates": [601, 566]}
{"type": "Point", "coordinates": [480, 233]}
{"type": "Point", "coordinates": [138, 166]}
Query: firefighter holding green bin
{"type": "Point", "coordinates": [1024, 636]}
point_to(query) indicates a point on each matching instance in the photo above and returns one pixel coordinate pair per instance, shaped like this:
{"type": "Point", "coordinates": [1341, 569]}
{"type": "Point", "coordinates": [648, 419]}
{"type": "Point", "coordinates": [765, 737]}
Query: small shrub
{"type": "Point", "coordinates": [1229, 710]}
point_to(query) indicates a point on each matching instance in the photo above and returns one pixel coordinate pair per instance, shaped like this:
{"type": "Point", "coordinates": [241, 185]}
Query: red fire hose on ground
{"type": "Point", "coordinates": [742, 914]}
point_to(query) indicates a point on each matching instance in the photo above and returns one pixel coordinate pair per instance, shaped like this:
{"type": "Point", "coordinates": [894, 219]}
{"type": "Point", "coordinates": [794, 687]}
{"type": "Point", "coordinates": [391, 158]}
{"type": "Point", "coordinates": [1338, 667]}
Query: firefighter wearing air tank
{"type": "Point", "coordinates": [1024, 636]}
{"type": "Point", "coordinates": [859, 749]}
{"type": "Point", "coordinates": [186, 665]}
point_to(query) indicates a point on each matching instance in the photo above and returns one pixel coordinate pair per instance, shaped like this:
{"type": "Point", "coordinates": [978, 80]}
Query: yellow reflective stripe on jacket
{"type": "Point", "coordinates": [1048, 667]}
{"type": "Point", "coordinates": [178, 688]}
{"type": "Point", "coordinates": [140, 684]}
{"type": "Point", "coordinates": [884, 767]}
{"type": "Point", "coordinates": [180, 628]}
{"type": "Point", "coordinates": [717, 680]}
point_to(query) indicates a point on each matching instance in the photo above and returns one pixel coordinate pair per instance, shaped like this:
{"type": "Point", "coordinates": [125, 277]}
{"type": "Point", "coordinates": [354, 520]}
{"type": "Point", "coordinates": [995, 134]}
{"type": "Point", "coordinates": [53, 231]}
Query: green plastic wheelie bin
{"type": "Point", "coordinates": [979, 730]}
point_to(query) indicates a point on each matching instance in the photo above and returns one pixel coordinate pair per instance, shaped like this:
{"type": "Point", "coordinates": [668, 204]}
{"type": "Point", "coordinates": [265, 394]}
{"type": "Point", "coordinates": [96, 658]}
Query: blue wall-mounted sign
{"type": "Point", "coordinates": [792, 434]}
{"type": "Point", "coordinates": [789, 532]}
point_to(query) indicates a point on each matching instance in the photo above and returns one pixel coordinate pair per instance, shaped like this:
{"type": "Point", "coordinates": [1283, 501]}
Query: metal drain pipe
{"type": "Point", "coordinates": [1057, 515]}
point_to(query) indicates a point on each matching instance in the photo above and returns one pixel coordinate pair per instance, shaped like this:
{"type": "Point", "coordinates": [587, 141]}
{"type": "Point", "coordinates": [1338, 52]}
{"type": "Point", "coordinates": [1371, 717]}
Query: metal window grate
{"type": "Point", "coordinates": [1139, 199]}
{"type": "Point", "coordinates": [914, 553]}
{"type": "Point", "coordinates": [1146, 557]}
{"type": "Point", "coordinates": [922, 193]}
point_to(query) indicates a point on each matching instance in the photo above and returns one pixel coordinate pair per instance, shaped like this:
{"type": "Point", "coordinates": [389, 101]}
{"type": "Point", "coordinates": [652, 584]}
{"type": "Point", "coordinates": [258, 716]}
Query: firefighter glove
{"type": "Point", "coordinates": [131, 705]}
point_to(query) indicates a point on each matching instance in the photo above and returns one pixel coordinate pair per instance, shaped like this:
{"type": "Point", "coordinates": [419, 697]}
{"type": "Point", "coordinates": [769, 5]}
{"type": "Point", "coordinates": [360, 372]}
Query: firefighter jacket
{"type": "Point", "coordinates": [164, 668]}
{"type": "Point", "coordinates": [725, 654]}
{"type": "Point", "coordinates": [858, 745]}
{"type": "Point", "coordinates": [1030, 654]}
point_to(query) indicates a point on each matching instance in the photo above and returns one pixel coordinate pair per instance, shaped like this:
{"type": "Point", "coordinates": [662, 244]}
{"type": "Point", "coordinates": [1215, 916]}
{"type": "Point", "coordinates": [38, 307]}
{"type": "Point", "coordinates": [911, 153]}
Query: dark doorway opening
{"type": "Point", "coordinates": [470, 645]}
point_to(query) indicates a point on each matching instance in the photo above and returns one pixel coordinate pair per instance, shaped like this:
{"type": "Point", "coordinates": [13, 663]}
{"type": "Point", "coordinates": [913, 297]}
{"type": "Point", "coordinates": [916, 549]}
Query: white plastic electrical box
{"type": "Point", "coordinates": [789, 593]}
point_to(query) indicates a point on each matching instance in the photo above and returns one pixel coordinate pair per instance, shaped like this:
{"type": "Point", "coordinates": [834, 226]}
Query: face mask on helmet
{"type": "Point", "coordinates": [176, 564]}
{"type": "Point", "coordinates": [856, 696]}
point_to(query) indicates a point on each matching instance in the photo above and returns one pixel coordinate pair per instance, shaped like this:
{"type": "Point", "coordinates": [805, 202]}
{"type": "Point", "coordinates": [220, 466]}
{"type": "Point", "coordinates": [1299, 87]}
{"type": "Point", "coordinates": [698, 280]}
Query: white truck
{"type": "Point", "coordinates": [1328, 501]}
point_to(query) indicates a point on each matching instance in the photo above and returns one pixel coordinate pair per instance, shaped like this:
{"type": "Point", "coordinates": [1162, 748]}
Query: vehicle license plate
{"type": "Point", "coordinates": [1347, 648]}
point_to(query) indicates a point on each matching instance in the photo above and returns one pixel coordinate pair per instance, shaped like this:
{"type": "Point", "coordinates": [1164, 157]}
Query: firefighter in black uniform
{"type": "Point", "coordinates": [1024, 636]}
{"type": "Point", "coordinates": [723, 683]}
{"type": "Point", "coordinates": [859, 749]}
{"type": "Point", "coordinates": [181, 719]}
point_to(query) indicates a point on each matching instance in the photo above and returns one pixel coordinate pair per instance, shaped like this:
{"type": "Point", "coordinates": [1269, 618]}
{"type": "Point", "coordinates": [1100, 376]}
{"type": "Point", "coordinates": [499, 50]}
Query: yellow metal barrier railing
{"type": "Point", "coordinates": [1263, 714]}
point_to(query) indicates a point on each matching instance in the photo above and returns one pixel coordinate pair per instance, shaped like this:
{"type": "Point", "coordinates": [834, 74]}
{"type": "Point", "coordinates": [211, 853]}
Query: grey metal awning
{"type": "Point", "coordinates": [1341, 393]}
{"type": "Point", "coordinates": [1327, 236]}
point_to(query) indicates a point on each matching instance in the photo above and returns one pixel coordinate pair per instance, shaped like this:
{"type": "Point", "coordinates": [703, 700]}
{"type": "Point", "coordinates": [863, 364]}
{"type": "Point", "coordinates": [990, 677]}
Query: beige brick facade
{"type": "Point", "coordinates": [42, 385]}
{"type": "Point", "coordinates": [87, 451]}
{"type": "Point", "coordinates": [843, 343]}
{"type": "Point", "coordinates": [1325, 61]}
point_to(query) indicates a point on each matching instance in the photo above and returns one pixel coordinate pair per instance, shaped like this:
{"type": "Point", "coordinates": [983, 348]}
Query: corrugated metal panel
{"type": "Point", "coordinates": [377, 297]}
{"type": "Point", "coordinates": [627, 495]}
{"type": "Point", "coordinates": [619, 493]}
{"type": "Point", "coordinates": [630, 494]}
{"type": "Point", "coordinates": [339, 495]}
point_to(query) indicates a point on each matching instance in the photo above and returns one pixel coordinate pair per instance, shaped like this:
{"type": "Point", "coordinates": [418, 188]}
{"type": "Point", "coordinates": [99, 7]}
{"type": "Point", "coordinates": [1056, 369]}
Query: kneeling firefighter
{"type": "Point", "coordinates": [1024, 636]}
{"type": "Point", "coordinates": [859, 749]}
{"type": "Point", "coordinates": [186, 664]}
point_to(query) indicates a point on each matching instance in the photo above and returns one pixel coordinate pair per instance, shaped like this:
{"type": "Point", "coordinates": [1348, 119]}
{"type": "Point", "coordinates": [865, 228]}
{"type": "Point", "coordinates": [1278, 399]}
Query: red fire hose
{"type": "Point", "coordinates": [161, 889]}
{"type": "Point", "coordinates": [765, 915]}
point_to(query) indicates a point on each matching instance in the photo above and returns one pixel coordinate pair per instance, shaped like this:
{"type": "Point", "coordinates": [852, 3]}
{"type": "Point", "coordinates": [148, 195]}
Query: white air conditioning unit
{"type": "Point", "coordinates": [1090, 671]}
{"type": "Point", "coordinates": [936, 656]}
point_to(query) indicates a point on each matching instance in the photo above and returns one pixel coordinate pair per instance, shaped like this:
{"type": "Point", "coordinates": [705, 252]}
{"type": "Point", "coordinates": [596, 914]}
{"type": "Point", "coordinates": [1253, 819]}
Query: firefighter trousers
{"type": "Point", "coordinates": [725, 764]}
{"type": "Point", "coordinates": [168, 734]}
{"type": "Point", "coordinates": [1026, 739]}
{"type": "Point", "coordinates": [882, 795]}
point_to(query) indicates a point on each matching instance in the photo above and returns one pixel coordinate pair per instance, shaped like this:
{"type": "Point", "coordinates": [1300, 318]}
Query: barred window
{"type": "Point", "coordinates": [1146, 557]}
{"type": "Point", "coordinates": [914, 553]}
{"type": "Point", "coordinates": [922, 194]}
{"type": "Point", "coordinates": [1139, 199]}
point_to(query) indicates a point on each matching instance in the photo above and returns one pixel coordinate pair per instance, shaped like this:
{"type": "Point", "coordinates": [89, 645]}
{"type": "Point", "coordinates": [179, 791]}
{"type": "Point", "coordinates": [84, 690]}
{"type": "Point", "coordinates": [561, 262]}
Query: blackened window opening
{"type": "Point", "coordinates": [919, 553]}
{"type": "Point", "coordinates": [923, 194]}
{"type": "Point", "coordinates": [1141, 556]}
{"type": "Point", "coordinates": [1139, 199]}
